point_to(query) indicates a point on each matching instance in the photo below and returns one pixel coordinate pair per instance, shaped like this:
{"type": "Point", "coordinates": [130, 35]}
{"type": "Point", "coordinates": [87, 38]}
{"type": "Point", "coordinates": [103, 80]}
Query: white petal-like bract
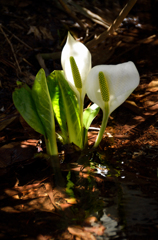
{"type": "Point", "coordinates": [122, 79]}
{"type": "Point", "coordinates": [82, 58]}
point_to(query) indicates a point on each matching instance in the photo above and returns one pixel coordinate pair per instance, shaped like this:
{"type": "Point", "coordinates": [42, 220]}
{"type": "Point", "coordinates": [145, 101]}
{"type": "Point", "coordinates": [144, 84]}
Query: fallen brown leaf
{"type": "Point", "coordinates": [99, 230]}
{"type": "Point", "coordinates": [78, 231]}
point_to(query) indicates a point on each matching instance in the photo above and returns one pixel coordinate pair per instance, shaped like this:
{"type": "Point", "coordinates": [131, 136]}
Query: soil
{"type": "Point", "coordinates": [31, 205]}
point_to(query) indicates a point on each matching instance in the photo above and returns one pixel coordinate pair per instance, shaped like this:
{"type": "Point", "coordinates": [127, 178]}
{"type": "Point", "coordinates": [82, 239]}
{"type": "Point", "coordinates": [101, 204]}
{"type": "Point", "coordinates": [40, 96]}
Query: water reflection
{"type": "Point", "coordinates": [141, 212]}
{"type": "Point", "coordinates": [111, 226]}
{"type": "Point", "coordinates": [131, 209]}
{"type": "Point", "coordinates": [139, 216]}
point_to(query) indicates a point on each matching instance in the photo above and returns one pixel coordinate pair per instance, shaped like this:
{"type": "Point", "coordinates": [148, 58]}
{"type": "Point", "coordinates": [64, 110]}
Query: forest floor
{"type": "Point", "coordinates": [31, 207]}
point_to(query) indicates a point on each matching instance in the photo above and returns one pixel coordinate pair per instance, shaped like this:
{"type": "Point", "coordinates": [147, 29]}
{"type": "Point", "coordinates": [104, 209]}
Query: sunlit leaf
{"type": "Point", "coordinates": [40, 94]}
{"type": "Point", "coordinates": [71, 109]}
{"type": "Point", "coordinates": [24, 103]}
{"type": "Point", "coordinates": [58, 104]}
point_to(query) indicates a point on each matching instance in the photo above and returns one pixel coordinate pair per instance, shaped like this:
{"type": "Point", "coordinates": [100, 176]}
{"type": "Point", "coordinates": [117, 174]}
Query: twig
{"type": "Point", "coordinates": [42, 63]}
{"type": "Point", "coordinates": [53, 56]}
{"type": "Point", "coordinates": [11, 48]}
{"type": "Point", "coordinates": [87, 13]}
{"type": "Point", "coordinates": [114, 25]}
{"type": "Point", "coordinates": [66, 8]}
{"type": "Point", "coordinates": [18, 38]}
{"type": "Point", "coordinates": [43, 56]}
{"type": "Point", "coordinates": [96, 18]}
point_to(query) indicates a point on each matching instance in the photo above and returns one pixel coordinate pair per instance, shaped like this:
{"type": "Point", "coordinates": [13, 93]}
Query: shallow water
{"type": "Point", "coordinates": [133, 214]}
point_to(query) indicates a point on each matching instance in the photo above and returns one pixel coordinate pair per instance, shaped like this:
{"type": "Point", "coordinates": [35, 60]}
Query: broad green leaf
{"type": "Point", "coordinates": [71, 109]}
{"type": "Point", "coordinates": [40, 94]}
{"type": "Point", "coordinates": [58, 104]}
{"type": "Point", "coordinates": [24, 103]}
{"type": "Point", "coordinates": [88, 115]}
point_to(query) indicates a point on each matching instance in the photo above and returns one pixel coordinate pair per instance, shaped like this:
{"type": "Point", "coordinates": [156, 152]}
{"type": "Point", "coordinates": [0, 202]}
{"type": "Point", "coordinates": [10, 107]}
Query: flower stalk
{"type": "Point", "coordinates": [103, 125]}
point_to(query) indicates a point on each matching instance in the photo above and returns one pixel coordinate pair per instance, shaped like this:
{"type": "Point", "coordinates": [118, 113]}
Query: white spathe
{"type": "Point", "coordinates": [82, 58]}
{"type": "Point", "coordinates": [122, 79]}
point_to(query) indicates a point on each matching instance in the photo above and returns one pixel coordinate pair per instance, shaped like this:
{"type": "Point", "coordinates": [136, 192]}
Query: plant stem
{"type": "Point", "coordinates": [52, 150]}
{"type": "Point", "coordinates": [103, 125]}
{"type": "Point", "coordinates": [51, 144]}
{"type": "Point", "coordinates": [55, 164]}
{"type": "Point", "coordinates": [81, 116]}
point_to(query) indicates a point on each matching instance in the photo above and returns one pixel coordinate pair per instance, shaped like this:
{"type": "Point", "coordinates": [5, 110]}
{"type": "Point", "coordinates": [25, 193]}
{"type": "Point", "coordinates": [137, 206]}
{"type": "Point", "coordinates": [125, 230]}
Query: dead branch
{"type": "Point", "coordinates": [87, 13]}
{"type": "Point", "coordinates": [95, 18]}
{"type": "Point", "coordinates": [53, 56]}
{"type": "Point", "coordinates": [26, 45]}
{"type": "Point", "coordinates": [43, 56]}
{"type": "Point", "coordinates": [42, 63]}
{"type": "Point", "coordinates": [11, 46]}
{"type": "Point", "coordinates": [114, 25]}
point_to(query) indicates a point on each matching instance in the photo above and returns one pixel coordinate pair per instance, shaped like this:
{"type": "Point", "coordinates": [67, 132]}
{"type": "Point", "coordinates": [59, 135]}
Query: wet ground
{"type": "Point", "coordinates": [115, 195]}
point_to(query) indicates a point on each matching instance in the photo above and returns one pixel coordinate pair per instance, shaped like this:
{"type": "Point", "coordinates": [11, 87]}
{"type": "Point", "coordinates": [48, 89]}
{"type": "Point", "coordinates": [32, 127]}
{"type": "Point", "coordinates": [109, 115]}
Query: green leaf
{"type": "Point", "coordinates": [40, 94]}
{"type": "Point", "coordinates": [71, 110]}
{"type": "Point", "coordinates": [24, 103]}
{"type": "Point", "coordinates": [58, 104]}
{"type": "Point", "coordinates": [88, 115]}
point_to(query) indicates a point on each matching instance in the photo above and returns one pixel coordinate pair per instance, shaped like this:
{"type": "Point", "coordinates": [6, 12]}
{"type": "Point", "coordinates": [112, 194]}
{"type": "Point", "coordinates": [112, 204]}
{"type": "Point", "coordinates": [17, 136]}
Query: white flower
{"type": "Point", "coordinates": [109, 86]}
{"type": "Point", "coordinates": [121, 79]}
{"type": "Point", "coordinates": [82, 57]}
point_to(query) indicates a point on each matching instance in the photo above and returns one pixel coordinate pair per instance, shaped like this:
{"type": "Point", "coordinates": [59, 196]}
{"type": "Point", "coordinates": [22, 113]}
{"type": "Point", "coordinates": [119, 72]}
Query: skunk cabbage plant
{"type": "Point", "coordinates": [62, 94]}
{"type": "Point", "coordinates": [109, 86]}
